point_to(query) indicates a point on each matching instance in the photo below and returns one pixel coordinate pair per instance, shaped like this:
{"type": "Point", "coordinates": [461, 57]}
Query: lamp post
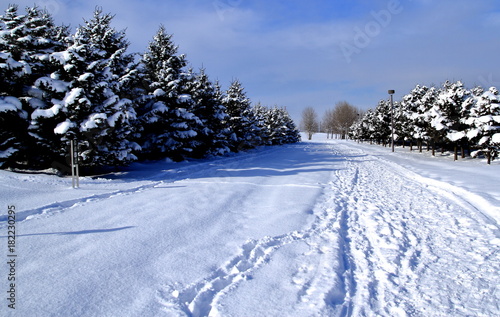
{"type": "Point", "coordinates": [391, 92]}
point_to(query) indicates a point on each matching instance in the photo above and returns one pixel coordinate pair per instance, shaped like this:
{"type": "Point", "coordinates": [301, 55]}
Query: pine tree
{"type": "Point", "coordinates": [415, 127]}
{"type": "Point", "coordinates": [453, 104]}
{"type": "Point", "coordinates": [382, 122]}
{"type": "Point", "coordinates": [213, 133]}
{"type": "Point", "coordinates": [263, 118]}
{"type": "Point", "coordinates": [291, 134]}
{"type": "Point", "coordinates": [242, 120]}
{"type": "Point", "coordinates": [484, 122]}
{"type": "Point", "coordinates": [83, 97]}
{"type": "Point", "coordinates": [276, 125]}
{"type": "Point", "coordinates": [13, 126]}
{"type": "Point", "coordinates": [168, 123]}
{"type": "Point", "coordinates": [26, 42]}
{"type": "Point", "coordinates": [13, 73]}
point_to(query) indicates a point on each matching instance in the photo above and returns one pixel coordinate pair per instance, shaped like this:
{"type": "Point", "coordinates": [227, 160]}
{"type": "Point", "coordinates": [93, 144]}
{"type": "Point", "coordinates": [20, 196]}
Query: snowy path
{"type": "Point", "coordinates": [312, 229]}
{"type": "Point", "coordinates": [414, 249]}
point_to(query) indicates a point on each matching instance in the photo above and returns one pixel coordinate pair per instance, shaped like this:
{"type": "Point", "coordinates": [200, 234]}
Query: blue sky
{"type": "Point", "coordinates": [316, 52]}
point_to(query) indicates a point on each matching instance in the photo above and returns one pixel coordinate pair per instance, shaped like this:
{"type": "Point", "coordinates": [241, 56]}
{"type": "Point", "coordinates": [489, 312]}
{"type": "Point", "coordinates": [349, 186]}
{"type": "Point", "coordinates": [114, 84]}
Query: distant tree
{"type": "Point", "coordinates": [276, 125]}
{"type": "Point", "coordinates": [309, 122]}
{"type": "Point", "coordinates": [344, 115]}
{"type": "Point", "coordinates": [328, 123]}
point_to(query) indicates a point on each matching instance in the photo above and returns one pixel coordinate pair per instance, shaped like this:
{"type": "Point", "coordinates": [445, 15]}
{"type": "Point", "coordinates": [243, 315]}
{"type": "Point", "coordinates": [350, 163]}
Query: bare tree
{"type": "Point", "coordinates": [344, 116]}
{"type": "Point", "coordinates": [309, 121]}
{"type": "Point", "coordinates": [329, 123]}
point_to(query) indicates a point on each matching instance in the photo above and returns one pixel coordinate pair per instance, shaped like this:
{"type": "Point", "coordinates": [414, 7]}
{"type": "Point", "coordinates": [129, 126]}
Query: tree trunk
{"type": "Point", "coordinates": [455, 157]}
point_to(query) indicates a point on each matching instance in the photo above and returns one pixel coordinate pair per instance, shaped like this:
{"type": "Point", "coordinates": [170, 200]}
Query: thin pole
{"type": "Point", "coordinates": [77, 168]}
{"type": "Point", "coordinates": [391, 92]}
{"type": "Point", "coordinates": [392, 123]}
{"type": "Point", "coordinates": [72, 163]}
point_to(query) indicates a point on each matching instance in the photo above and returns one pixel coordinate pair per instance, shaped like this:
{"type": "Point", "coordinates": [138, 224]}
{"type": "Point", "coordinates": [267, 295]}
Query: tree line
{"type": "Point", "coordinates": [120, 107]}
{"type": "Point", "coordinates": [450, 117]}
{"type": "Point", "coordinates": [335, 122]}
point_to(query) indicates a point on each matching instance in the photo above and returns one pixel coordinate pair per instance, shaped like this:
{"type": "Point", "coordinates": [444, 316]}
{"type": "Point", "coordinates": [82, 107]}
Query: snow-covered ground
{"type": "Point", "coordinates": [321, 228]}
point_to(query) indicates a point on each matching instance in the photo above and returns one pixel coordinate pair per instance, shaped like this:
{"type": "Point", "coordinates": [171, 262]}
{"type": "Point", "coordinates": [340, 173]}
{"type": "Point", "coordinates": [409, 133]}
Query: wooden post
{"type": "Point", "coordinates": [75, 182]}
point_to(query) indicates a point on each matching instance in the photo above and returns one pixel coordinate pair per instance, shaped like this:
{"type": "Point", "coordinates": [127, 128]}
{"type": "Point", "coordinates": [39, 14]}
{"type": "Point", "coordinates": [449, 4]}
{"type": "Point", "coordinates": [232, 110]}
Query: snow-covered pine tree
{"type": "Point", "coordinates": [26, 42]}
{"type": "Point", "coordinates": [291, 133]}
{"type": "Point", "coordinates": [362, 130]}
{"type": "Point", "coordinates": [13, 126]}
{"type": "Point", "coordinates": [424, 129]}
{"type": "Point", "coordinates": [411, 106]}
{"type": "Point", "coordinates": [242, 120]}
{"type": "Point", "coordinates": [405, 119]}
{"type": "Point", "coordinates": [82, 97]}
{"type": "Point", "coordinates": [484, 124]}
{"type": "Point", "coordinates": [369, 122]}
{"type": "Point", "coordinates": [382, 122]}
{"type": "Point", "coordinates": [276, 125]}
{"type": "Point", "coordinates": [453, 104]}
{"type": "Point", "coordinates": [169, 126]}
{"type": "Point", "coordinates": [213, 134]}
{"type": "Point", "coordinates": [13, 74]}
{"type": "Point", "coordinates": [14, 68]}
{"type": "Point", "coordinates": [263, 118]}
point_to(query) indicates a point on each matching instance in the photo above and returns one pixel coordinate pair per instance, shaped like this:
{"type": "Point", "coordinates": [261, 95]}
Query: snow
{"type": "Point", "coordinates": [85, 76]}
{"type": "Point", "coordinates": [495, 138]}
{"type": "Point", "coordinates": [10, 103]}
{"type": "Point", "coordinates": [61, 57]}
{"type": "Point", "coordinates": [55, 84]}
{"type": "Point", "coordinates": [318, 228]}
{"type": "Point", "coordinates": [455, 136]}
{"type": "Point", "coordinates": [160, 106]}
{"type": "Point", "coordinates": [7, 153]}
{"type": "Point", "coordinates": [72, 95]}
{"type": "Point", "coordinates": [46, 113]}
{"type": "Point", "coordinates": [159, 92]}
{"type": "Point", "coordinates": [93, 121]}
{"type": "Point", "coordinates": [63, 127]}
